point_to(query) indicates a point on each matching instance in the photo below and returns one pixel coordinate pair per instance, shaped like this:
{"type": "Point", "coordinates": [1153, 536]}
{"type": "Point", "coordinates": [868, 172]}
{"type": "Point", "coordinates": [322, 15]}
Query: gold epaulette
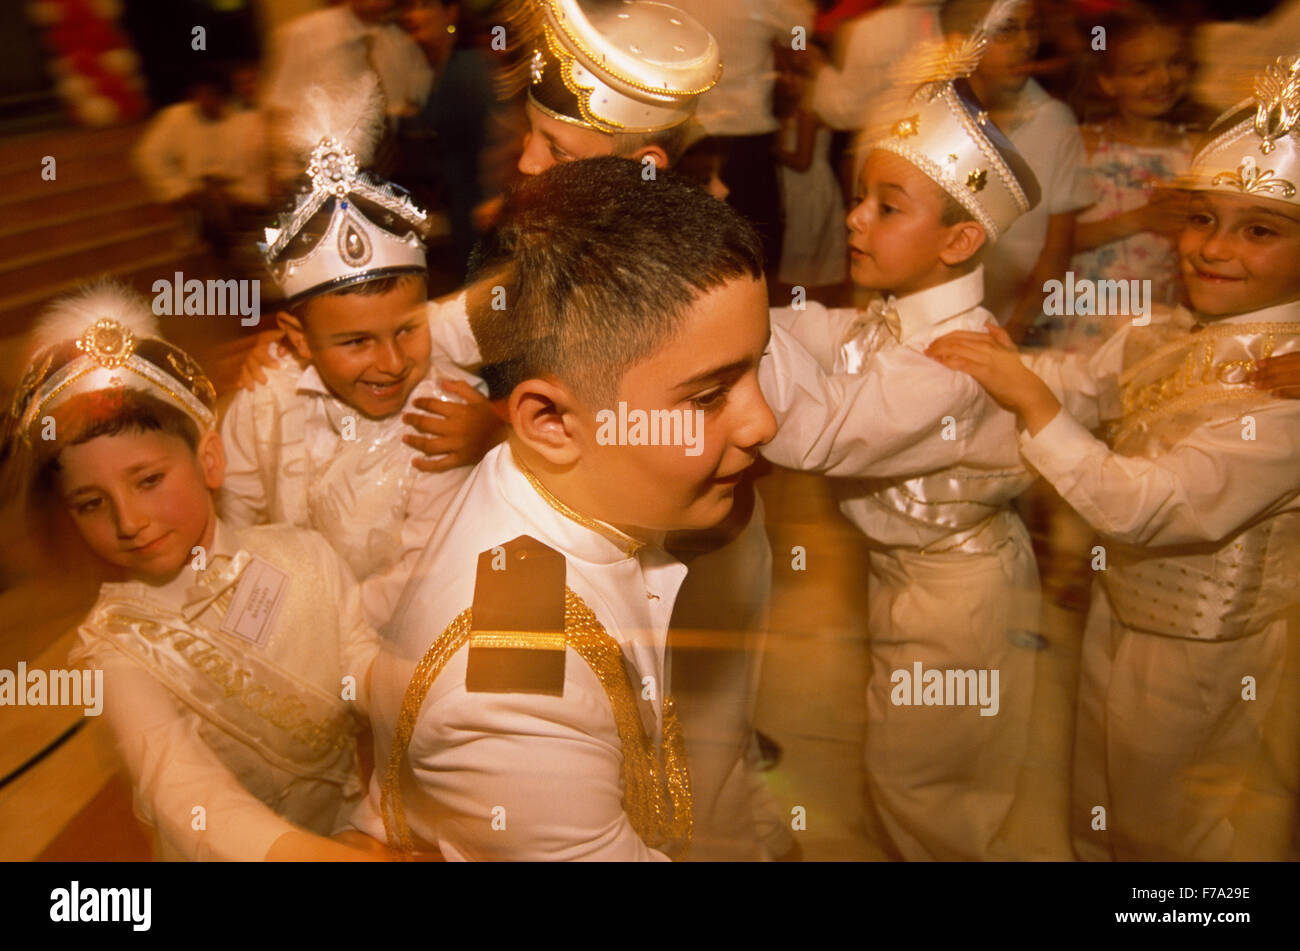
{"type": "Point", "coordinates": [511, 658]}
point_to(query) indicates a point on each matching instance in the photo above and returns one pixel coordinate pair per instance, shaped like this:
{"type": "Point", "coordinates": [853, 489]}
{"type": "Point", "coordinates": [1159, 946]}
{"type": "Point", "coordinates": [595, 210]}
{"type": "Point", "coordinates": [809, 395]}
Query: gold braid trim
{"type": "Point", "coordinates": [656, 788]}
{"type": "Point", "coordinates": [426, 671]}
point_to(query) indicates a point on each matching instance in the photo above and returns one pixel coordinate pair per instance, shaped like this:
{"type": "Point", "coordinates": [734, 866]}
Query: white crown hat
{"type": "Point", "coordinates": [618, 65]}
{"type": "Point", "coordinates": [1257, 149]}
{"type": "Point", "coordinates": [946, 133]}
{"type": "Point", "coordinates": [374, 227]}
{"type": "Point", "coordinates": [104, 339]}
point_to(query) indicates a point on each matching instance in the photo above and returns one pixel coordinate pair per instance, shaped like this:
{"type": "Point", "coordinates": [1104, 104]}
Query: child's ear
{"type": "Point", "coordinates": [964, 241]}
{"type": "Point", "coordinates": [543, 415]}
{"type": "Point", "coordinates": [211, 455]}
{"type": "Point", "coordinates": [293, 329]}
{"type": "Point", "coordinates": [1107, 85]}
{"type": "Point", "coordinates": [656, 152]}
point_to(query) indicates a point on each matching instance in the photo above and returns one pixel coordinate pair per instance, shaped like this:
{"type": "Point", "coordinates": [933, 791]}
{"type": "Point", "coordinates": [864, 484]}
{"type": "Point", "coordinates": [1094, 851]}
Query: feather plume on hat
{"type": "Point", "coordinates": [944, 60]}
{"type": "Point", "coordinates": [69, 317]}
{"type": "Point", "coordinates": [352, 114]}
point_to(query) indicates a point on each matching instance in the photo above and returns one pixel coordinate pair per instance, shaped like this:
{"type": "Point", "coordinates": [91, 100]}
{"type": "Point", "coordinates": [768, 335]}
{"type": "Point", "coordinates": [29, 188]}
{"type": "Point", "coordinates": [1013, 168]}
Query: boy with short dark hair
{"type": "Point", "coordinates": [559, 739]}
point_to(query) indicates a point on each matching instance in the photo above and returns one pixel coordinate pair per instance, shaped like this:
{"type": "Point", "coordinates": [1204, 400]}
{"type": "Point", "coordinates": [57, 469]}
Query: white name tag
{"type": "Point", "coordinates": [257, 601]}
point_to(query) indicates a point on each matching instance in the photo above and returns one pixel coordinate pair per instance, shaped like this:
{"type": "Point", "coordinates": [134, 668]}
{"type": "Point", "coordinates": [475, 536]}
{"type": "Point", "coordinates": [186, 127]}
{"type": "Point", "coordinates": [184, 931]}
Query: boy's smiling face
{"type": "Point", "coordinates": [710, 365]}
{"type": "Point", "coordinates": [142, 500]}
{"type": "Point", "coordinates": [895, 230]}
{"type": "Point", "coordinates": [371, 350]}
{"type": "Point", "coordinates": [1240, 254]}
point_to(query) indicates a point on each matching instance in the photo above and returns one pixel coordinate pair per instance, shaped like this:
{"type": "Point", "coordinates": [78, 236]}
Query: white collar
{"type": "Point", "coordinates": [576, 535]}
{"type": "Point", "coordinates": [921, 313]}
{"type": "Point", "coordinates": [1277, 314]}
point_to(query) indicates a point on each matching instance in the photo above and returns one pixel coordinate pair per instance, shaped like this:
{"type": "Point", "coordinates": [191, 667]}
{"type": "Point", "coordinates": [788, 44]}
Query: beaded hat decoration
{"type": "Point", "coordinates": [1256, 150]}
{"type": "Point", "coordinates": [613, 65]}
{"type": "Point", "coordinates": [104, 339]}
{"type": "Point", "coordinates": [373, 229]}
{"type": "Point", "coordinates": [945, 132]}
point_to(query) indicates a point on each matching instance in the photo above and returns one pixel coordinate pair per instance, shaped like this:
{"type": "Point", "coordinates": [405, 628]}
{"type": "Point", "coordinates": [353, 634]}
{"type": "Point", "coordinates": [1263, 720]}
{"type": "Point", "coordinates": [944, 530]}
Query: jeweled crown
{"type": "Point", "coordinates": [104, 340]}
{"type": "Point", "coordinates": [374, 229]}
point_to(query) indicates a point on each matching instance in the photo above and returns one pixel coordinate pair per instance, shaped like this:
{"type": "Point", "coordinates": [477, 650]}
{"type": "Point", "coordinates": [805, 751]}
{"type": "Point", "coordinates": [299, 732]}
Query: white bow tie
{"type": "Point", "coordinates": [881, 309]}
{"type": "Point", "coordinates": [221, 573]}
{"type": "Point", "coordinates": [886, 309]}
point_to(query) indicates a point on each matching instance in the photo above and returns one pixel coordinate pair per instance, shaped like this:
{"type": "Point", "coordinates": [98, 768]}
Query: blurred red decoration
{"type": "Point", "coordinates": [96, 71]}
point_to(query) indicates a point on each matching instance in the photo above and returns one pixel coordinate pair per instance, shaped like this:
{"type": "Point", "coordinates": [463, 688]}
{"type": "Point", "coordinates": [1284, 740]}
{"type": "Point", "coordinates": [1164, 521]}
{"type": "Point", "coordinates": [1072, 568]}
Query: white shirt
{"type": "Point", "coordinates": [889, 419]}
{"type": "Point", "coordinates": [1047, 136]}
{"type": "Point", "coordinates": [181, 147]}
{"type": "Point", "coordinates": [296, 453]}
{"type": "Point", "coordinates": [874, 44]}
{"type": "Point", "coordinates": [331, 46]}
{"type": "Point", "coordinates": [179, 760]}
{"type": "Point", "coordinates": [1208, 486]}
{"type": "Point", "coordinates": [552, 763]}
{"type": "Point", "coordinates": [741, 102]}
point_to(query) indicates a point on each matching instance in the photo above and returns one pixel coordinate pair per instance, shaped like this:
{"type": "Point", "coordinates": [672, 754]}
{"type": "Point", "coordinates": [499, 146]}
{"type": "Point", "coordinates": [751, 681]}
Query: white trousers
{"type": "Point", "coordinates": [1181, 763]}
{"type": "Point", "coordinates": [943, 778]}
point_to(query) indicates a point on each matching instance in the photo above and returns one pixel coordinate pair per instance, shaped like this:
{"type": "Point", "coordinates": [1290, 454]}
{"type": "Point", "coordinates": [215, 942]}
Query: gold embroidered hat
{"type": "Point", "coordinates": [103, 340]}
{"type": "Point", "coordinates": [617, 65]}
{"type": "Point", "coordinates": [945, 131]}
{"type": "Point", "coordinates": [1257, 149]}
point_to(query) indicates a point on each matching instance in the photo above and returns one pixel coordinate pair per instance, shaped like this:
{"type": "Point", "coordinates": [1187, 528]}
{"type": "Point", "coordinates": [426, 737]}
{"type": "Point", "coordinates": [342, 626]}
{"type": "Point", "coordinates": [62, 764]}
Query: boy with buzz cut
{"type": "Point", "coordinates": [321, 444]}
{"type": "Point", "coordinates": [526, 706]}
{"type": "Point", "coordinates": [1186, 744]}
{"type": "Point", "coordinates": [235, 661]}
{"type": "Point", "coordinates": [931, 467]}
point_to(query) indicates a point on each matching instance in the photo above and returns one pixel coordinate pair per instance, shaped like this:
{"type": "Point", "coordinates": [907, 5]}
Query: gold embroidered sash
{"type": "Point", "coordinates": [1176, 381]}
{"type": "Point", "coordinates": [292, 723]}
{"type": "Point", "coordinates": [656, 787]}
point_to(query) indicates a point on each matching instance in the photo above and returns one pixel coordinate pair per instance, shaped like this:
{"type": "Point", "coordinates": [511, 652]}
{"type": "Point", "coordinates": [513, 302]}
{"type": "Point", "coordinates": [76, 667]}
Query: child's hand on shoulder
{"type": "Point", "coordinates": [268, 347]}
{"type": "Point", "coordinates": [1165, 213]}
{"type": "Point", "coordinates": [454, 434]}
{"type": "Point", "coordinates": [992, 360]}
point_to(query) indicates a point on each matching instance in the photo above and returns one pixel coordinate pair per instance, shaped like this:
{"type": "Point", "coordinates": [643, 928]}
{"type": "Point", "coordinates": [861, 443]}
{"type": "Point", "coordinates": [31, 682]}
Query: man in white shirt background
{"type": "Point", "coordinates": [207, 159]}
{"type": "Point", "coordinates": [337, 45]}
{"type": "Point", "coordinates": [738, 110]}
